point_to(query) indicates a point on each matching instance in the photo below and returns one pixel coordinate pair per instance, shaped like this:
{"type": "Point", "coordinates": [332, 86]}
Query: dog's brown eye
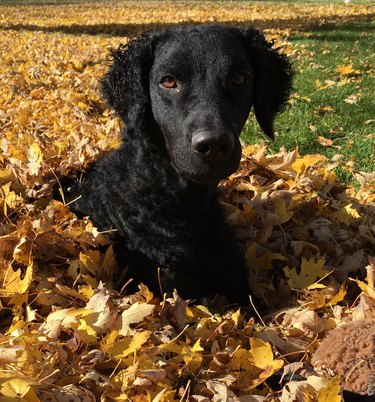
{"type": "Point", "coordinates": [168, 82]}
{"type": "Point", "coordinates": [238, 79]}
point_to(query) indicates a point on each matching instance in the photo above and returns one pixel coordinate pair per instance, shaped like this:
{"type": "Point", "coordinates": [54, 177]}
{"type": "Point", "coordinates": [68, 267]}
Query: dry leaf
{"type": "Point", "coordinates": [311, 271]}
{"type": "Point", "coordinates": [133, 315]}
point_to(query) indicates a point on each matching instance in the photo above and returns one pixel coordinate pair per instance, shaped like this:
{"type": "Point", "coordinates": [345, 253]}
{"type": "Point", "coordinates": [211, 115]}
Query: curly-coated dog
{"type": "Point", "coordinates": [184, 95]}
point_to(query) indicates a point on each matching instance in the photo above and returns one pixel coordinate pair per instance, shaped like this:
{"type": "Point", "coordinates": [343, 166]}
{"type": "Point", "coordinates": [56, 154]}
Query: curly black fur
{"type": "Point", "coordinates": [159, 188]}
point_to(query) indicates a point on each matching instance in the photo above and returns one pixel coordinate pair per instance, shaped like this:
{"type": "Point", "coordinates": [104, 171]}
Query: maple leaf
{"type": "Point", "coordinates": [347, 213]}
{"type": "Point", "coordinates": [311, 271]}
{"type": "Point", "coordinates": [301, 164]}
{"type": "Point", "coordinates": [347, 70]}
{"type": "Point", "coordinates": [16, 281]}
{"type": "Point", "coordinates": [331, 392]}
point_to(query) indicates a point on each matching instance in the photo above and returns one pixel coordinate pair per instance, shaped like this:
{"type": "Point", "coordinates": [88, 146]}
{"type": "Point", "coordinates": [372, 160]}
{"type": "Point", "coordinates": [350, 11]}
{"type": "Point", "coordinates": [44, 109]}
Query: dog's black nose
{"type": "Point", "coordinates": [212, 146]}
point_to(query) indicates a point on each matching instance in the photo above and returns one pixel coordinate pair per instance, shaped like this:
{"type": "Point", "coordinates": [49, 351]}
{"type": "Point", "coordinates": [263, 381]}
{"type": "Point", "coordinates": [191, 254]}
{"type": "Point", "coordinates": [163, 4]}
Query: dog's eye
{"type": "Point", "coordinates": [168, 82]}
{"type": "Point", "coordinates": [238, 79]}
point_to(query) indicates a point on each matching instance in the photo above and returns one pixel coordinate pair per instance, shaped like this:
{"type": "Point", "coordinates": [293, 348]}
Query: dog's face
{"type": "Point", "coordinates": [196, 85]}
{"type": "Point", "coordinates": [201, 88]}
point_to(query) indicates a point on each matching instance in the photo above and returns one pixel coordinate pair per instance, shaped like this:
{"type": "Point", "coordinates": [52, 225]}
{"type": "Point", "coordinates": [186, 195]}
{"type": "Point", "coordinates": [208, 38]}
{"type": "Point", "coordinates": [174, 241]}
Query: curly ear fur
{"type": "Point", "coordinates": [125, 86]}
{"type": "Point", "coordinates": [273, 79]}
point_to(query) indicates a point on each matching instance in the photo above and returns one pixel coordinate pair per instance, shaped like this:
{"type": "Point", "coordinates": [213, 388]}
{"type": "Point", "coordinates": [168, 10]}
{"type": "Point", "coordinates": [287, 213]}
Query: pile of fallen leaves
{"type": "Point", "coordinates": [68, 334]}
{"type": "Point", "coordinates": [65, 334]}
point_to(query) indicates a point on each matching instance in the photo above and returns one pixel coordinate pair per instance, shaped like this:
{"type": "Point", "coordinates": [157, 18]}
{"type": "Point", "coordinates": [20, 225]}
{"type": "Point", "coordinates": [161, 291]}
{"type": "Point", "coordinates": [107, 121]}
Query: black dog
{"type": "Point", "coordinates": [185, 95]}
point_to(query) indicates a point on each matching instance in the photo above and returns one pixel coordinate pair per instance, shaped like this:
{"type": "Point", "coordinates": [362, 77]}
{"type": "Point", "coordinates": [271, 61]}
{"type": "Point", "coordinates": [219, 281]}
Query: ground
{"type": "Point", "coordinates": [303, 214]}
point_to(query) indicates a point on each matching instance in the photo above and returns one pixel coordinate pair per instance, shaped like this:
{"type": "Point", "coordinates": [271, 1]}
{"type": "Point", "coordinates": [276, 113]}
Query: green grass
{"type": "Point", "coordinates": [325, 112]}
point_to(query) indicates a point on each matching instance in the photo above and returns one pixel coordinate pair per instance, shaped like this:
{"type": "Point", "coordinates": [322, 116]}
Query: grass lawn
{"type": "Point", "coordinates": [332, 109]}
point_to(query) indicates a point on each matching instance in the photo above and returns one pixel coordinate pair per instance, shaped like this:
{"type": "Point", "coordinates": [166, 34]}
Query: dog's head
{"type": "Point", "coordinates": [195, 86]}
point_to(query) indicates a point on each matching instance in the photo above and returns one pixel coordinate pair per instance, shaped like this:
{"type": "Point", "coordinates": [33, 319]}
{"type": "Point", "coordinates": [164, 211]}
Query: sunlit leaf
{"type": "Point", "coordinates": [311, 271]}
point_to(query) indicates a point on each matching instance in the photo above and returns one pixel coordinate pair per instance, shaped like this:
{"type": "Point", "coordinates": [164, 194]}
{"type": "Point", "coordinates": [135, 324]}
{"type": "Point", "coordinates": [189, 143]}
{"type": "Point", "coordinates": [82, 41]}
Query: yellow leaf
{"type": "Point", "coordinates": [159, 396]}
{"type": "Point", "coordinates": [347, 70]}
{"type": "Point", "coordinates": [116, 346]}
{"type": "Point", "coordinates": [352, 211]}
{"type": "Point", "coordinates": [85, 331]}
{"type": "Point", "coordinates": [13, 282]}
{"type": "Point", "coordinates": [311, 271]}
{"type": "Point", "coordinates": [135, 314]}
{"type": "Point", "coordinates": [5, 174]}
{"type": "Point", "coordinates": [263, 261]}
{"type": "Point", "coordinates": [16, 388]}
{"type": "Point", "coordinates": [138, 340]}
{"type": "Point", "coordinates": [261, 353]}
{"type": "Point", "coordinates": [316, 286]}
{"type": "Point", "coordinates": [191, 356]}
{"type": "Point", "coordinates": [109, 344]}
{"type": "Point", "coordinates": [262, 358]}
{"type": "Point", "coordinates": [197, 346]}
{"type": "Point", "coordinates": [369, 291]}
{"type": "Point", "coordinates": [83, 106]}
{"type": "Point", "coordinates": [24, 114]}
{"type": "Point", "coordinates": [86, 291]}
{"type": "Point", "coordinates": [35, 158]}
{"type": "Point", "coordinates": [301, 164]}
{"type": "Point", "coordinates": [280, 161]}
{"type": "Point", "coordinates": [193, 362]}
{"type": "Point", "coordinates": [31, 396]}
{"type": "Point", "coordinates": [281, 211]}
{"type": "Point", "coordinates": [7, 198]}
{"type": "Point", "coordinates": [241, 360]}
{"type": "Point", "coordinates": [204, 309]}
{"type": "Point", "coordinates": [338, 297]}
{"type": "Point", "coordinates": [352, 99]}
{"type": "Point", "coordinates": [370, 268]}
{"type": "Point", "coordinates": [347, 214]}
{"type": "Point", "coordinates": [331, 392]}
{"type": "Point", "coordinates": [91, 261]}
{"type": "Point", "coordinates": [145, 292]}
{"type": "Point", "coordinates": [171, 347]}
{"type": "Point", "coordinates": [59, 318]}
{"type": "Point", "coordinates": [236, 317]}
{"type": "Point", "coordinates": [22, 252]}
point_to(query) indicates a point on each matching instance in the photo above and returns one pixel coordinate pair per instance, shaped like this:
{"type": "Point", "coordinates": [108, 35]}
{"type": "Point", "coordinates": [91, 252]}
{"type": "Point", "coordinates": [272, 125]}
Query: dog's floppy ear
{"type": "Point", "coordinates": [272, 81]}
{"type": "Point", "coordinates": [125, 86]}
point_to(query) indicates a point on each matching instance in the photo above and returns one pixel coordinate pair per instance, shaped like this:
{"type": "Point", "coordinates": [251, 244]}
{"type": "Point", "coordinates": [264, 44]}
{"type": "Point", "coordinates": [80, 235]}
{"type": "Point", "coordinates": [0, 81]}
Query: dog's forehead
{"type": "Point", "coordinates": [201, 46]}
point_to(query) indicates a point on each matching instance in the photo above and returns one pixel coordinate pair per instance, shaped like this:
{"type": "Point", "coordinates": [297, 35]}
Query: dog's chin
{"type": "Point", "coordinates": [208, 175]}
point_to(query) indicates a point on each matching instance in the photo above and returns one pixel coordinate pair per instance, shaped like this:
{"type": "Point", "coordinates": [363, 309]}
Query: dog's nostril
{"type": "Point", "coordinates": [211, 146]}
